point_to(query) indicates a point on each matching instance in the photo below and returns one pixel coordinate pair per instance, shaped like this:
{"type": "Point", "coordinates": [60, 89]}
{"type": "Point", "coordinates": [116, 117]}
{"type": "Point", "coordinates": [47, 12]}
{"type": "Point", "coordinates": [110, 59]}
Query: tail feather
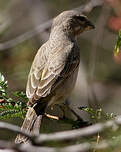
{"type": "Point", "coordinates": [31, 125]}
{"type": "Point", "coordinates": [37, 124]}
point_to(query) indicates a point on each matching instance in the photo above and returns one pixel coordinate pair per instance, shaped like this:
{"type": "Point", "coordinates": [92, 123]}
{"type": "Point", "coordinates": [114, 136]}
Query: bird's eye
{"type": "Point", "coordinates": [81, 18]}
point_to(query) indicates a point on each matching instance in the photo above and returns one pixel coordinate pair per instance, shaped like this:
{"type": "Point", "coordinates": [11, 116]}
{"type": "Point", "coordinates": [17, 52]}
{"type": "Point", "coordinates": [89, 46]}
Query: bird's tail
{"type": "Point", "coordinates": [31, 125]}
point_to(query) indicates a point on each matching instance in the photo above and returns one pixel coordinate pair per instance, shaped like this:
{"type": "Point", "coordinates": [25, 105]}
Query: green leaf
{"type": "Point", "coordinates": [98, 114]}
{"type": "Point", "coordinates": [20, 94]}
{"type": "Point", "coordinates": [8, 107]}
{"type": "Point", "coordinates": [1, 77]}
{"type": "Point", "coordinates": [118, 44]}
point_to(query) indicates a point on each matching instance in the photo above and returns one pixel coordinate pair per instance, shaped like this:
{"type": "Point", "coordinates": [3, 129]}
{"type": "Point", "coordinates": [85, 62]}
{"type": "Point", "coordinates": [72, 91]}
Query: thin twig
{"type": "Point", "coordinates": [45, 26]}
{"type": "Point", "coordinates": [83, 147]}
{"type": "Point", "coordinates": [78, 133]}
{"type": "Point", "coordinates": [27, 35]}
{"type": "Point", "coordinates": [65, 135]}
{"type": "Point", "coordinates": [16, 129]}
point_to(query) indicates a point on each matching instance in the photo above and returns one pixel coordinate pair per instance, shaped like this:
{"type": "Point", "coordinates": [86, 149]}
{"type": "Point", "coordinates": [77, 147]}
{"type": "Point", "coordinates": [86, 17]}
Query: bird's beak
{"type": "Point", "coordinates": [89, 25]}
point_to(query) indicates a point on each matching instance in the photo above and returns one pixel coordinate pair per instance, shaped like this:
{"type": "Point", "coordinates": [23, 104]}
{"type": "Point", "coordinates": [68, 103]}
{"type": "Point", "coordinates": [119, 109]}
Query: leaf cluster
{"type": "Point", "coordinates": [9, 107]}
{"type": "Point", "coordinates": [118, 44]}
{"type": "Point", "coordinates": [97, 114]}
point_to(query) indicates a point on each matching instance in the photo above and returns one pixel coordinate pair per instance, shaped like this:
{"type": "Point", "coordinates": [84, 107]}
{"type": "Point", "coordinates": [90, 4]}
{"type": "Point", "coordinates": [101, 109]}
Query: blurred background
{"type": "Point", "coordinates": [25, 26]}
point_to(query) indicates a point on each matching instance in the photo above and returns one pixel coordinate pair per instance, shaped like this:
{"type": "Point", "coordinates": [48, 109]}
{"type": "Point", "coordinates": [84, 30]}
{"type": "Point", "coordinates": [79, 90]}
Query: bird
{"type": "Point", "coordinates": [54, 70]}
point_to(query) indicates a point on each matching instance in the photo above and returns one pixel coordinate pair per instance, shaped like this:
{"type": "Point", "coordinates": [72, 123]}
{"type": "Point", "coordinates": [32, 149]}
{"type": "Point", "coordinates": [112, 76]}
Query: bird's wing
{"type": "Point", "coordinates": [35, 74]}
{"type": "Point", "coordinates": [57, 68]}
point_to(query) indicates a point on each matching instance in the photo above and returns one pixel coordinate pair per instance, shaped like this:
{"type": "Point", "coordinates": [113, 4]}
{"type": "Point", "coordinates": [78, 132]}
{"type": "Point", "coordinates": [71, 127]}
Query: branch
{"type": "Point", "coordinates": [65, 135]}
{"type": "Point", "coordinates": [87, 131]}
{"type": "Point", "coordinates": [27, 35]}
{"type": "Point", "coordinates": [91, 5]}
{"type": "Point", "coordinates": [83, 147]}
{"type": "Point", "coordinates": [16, 129]}
{"type": "Point", "coordinates": [45, 26]}
{"type": "Point", "coordinates": [77, 133]}
{"type": "Point", "coordinates": [31, 148]}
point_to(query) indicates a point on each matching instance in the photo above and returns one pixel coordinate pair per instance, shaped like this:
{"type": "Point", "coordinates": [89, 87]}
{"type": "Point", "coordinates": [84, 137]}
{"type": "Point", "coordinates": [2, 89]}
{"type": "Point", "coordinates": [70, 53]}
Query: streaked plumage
{"type": "Point", "coordinates": [54, 70]}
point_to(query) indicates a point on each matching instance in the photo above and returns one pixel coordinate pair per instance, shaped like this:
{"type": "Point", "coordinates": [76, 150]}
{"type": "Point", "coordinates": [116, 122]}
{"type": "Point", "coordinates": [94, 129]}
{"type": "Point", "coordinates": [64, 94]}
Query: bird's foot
{"type": "Point", "coordinates": [51, 116]}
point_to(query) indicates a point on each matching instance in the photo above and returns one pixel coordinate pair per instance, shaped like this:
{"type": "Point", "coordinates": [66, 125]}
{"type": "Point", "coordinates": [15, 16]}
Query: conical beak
{"type": "Point", "coordinates": [89, 25]}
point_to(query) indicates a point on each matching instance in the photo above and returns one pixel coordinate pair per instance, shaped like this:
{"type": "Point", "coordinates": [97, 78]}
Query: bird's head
{"type": "Point", "coordinates": [73, 22]}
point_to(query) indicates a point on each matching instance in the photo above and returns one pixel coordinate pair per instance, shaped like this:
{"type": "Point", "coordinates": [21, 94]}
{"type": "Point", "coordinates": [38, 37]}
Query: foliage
{"type": "Point", "coordinates": [17, 108]}
{"type": "Point", "coordinates": [98, 114]}
{"type": "Point", "coordinates": [9, 107]}
{"type": "Point", "coordinates": [118, 44]}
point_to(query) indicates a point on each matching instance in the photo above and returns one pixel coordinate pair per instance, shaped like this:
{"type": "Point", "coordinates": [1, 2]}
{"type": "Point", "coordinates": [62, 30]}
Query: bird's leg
{"type": "Point", "coordinates": [51, 116]}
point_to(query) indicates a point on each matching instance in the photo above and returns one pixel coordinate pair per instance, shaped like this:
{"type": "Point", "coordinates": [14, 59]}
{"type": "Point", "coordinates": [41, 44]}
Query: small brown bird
{"type": "Point", "coordinates": [54, 70]}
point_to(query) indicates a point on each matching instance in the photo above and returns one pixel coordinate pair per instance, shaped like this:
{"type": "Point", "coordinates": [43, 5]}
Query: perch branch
{"type": "Point", "coordinates": [16, 129]}
{"type": "Point", "coordinates": [65, 135]}
{"type": "Point", "coordinates": [83, 147]}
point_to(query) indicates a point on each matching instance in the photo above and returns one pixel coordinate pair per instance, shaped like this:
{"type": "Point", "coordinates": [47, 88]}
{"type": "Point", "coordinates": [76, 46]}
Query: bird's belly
{"type": "Point", "coordinates": [64, 89]}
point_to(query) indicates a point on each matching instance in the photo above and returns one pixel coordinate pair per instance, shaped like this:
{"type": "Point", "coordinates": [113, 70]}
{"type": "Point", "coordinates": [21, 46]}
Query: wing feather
{"type": "Point", "coordinates": [45, 76]}
{"type": "Point", "coordinates": [36, 71]}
